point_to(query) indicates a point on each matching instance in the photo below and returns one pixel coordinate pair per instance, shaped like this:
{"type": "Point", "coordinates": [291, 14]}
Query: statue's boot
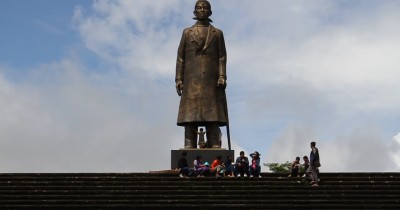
{"type": "Point", "coordinates": [191, 136]}
{"type": "Point", "coordinates": [213, 135]}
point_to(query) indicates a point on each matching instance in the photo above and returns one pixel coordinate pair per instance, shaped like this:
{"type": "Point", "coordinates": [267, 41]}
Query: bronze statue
{"type": "Point", "coordinates": [201, 78]}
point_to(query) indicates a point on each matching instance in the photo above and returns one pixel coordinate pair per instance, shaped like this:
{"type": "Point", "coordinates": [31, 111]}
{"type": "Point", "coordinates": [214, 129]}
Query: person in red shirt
{"type": "Point", "coordinates": [218, 167]}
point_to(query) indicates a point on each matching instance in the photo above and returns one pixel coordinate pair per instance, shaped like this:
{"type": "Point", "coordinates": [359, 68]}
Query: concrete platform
{"type": "Point", "coordinates": [207, 154]}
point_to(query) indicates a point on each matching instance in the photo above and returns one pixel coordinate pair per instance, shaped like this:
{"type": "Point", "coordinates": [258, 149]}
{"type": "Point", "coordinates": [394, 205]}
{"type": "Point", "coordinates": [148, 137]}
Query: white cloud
{"type": "Point", "coordinates": [324, 70]}
{"type": "Point", "coordinates": [138, 36]}
{"type": "Point", "coordinates": [362, 150]}
{"type": "Point", "coordinates": [74, 125]}
{"type": "Point", "coordinates": [397, 138]}
{"type": "Point", "coordinates": [355, 60]}
{"type": "Point", "coordinates": [395, 149]}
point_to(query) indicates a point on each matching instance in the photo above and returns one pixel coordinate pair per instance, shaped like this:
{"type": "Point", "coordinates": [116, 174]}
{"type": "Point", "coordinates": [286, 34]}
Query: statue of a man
{"type": "Point", "coordinates": [201, 78]}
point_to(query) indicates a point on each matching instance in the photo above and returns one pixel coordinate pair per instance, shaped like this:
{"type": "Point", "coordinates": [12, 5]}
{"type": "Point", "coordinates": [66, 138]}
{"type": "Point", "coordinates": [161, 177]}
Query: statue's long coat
{"type": "Point", "coordinates": [202, 100]}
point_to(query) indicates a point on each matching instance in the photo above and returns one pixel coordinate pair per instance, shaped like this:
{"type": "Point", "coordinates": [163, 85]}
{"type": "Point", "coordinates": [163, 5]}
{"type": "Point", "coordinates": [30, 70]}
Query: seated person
{"type": "Point", "coordinates": [305, 165]}
{"type": "Point", "coordinates": [218, 167]}
{"type": "Point", "coordinates": [229, 167]}
{"type": "Point", "coordinates": [200, 169]}
{"type": "Point", "coordinates": [295, 168]}
{"type": "Point", "coordinates": [242, 165]}
{"type": "Point", "coordinates": [255, 168]}
{"type": "Point", "coordinates": [183, 166]}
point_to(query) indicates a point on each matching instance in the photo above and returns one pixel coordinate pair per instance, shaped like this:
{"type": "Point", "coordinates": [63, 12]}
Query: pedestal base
{"type": "Point", "coordinates": [207, 155]}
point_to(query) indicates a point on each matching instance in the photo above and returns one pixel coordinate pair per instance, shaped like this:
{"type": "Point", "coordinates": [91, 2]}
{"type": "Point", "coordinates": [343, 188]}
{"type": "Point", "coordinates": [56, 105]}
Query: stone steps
{"type": "Point", "coordinates": [168, 191]}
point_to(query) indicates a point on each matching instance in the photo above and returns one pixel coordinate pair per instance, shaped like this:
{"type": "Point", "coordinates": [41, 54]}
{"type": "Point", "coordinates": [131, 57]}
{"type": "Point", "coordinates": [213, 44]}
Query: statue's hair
{"type": "Point", "coordinates": [208, 4]}
{"type": "Point", "coordinates": [205, 1]}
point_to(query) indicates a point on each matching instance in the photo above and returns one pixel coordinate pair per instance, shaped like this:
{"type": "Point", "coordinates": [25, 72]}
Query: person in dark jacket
{"type": "Point", "coordinates": [183, 166]}
{"type": "Point", "coordinates": [242, 165]}
{"type": "Point", "coordinates": [229, 167]}
{"type": "Point", "coordinates": [314, 164]}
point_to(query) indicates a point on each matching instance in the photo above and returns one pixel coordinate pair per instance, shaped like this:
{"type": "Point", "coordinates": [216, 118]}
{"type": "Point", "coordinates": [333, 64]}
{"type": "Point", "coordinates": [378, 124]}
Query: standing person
{"type": "Point", "coordinates": [255, 168]}
{"type": "Point", "coordinates": [295, 168]}
{"type": "Point", "coordinates": [314, 164]}
{"type": "Point", "coordinates": [242, 165]}
{"type": "Point", "coordinates": [200, 78]}
{"type": "Point", "coordinates": [183, 166]}
{"type": "Point", "coordinates": [202, 142]}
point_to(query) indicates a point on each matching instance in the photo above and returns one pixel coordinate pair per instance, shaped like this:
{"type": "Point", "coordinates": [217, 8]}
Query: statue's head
{"type": "Point", "coordinates": [202, 10]}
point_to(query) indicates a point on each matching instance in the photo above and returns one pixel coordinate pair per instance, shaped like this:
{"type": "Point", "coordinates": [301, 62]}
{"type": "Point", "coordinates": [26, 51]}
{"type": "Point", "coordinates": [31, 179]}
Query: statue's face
{"type": "Point", "coordinates": [202, 11]}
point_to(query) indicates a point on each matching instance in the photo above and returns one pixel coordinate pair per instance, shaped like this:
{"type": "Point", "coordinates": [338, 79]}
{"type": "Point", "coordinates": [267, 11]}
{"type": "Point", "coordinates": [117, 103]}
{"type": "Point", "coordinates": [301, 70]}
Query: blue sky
{"type": "Point", "coordinates": [88, 86]}
{"type": "Point", "coordinates": [36, 32]}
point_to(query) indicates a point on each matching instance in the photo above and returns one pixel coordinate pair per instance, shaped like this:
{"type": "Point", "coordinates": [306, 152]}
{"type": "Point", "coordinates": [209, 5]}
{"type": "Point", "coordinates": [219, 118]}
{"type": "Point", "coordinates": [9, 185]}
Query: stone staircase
{"type": "Point", "coordinates": [168, 191]}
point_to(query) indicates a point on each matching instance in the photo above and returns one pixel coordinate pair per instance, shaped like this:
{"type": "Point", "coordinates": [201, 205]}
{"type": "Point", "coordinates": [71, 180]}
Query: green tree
{"type": "Point", "coordinates": [278, 167]}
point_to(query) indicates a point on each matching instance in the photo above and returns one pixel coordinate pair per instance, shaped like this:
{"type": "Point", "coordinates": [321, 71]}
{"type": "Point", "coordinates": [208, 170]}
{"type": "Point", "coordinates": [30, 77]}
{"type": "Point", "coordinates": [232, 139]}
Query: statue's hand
{"type": "Point", "coordinates": [221, 82]}
{"type": "Point", "coordinates": [179, 87]}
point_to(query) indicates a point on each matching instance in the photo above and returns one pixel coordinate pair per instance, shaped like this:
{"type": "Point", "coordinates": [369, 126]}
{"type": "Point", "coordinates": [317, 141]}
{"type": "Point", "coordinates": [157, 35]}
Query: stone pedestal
{"type": "Point", "coordinates": [207, 155]}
